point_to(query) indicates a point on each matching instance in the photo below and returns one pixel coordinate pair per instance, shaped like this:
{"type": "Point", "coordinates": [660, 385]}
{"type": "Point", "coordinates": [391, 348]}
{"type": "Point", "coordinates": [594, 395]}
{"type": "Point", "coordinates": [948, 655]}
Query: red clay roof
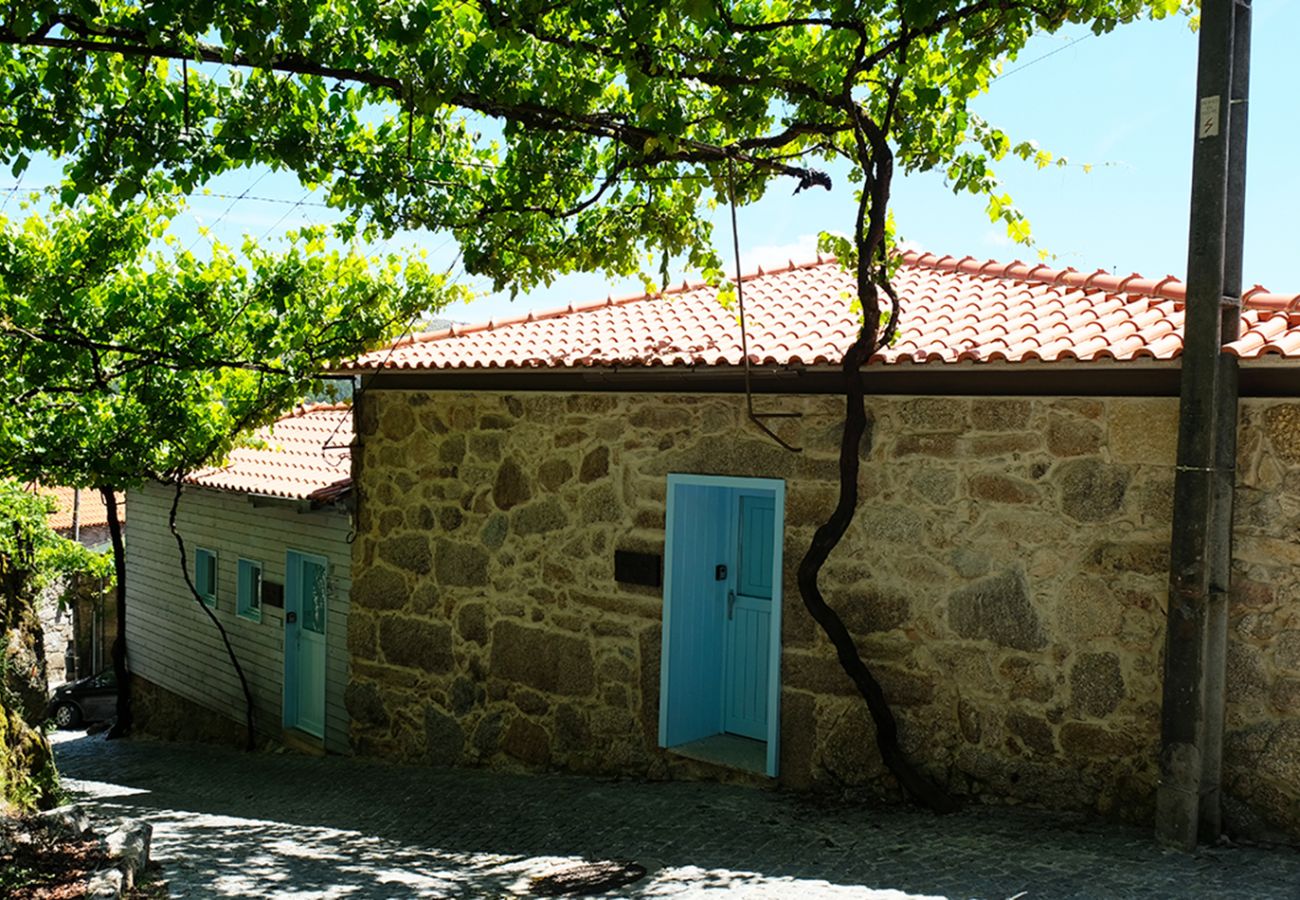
{"type": "Point", "coordinates": [92, 513]}
{"type": "Point", "coordinates": [953, 310]}
{"type": "Point", "coordinates": [303, 456]}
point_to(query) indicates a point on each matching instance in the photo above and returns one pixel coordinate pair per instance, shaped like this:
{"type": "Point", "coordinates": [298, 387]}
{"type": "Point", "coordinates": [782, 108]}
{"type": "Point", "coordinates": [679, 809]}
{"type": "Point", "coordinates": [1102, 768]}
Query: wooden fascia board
{"type": "Point", "coordinates": [1074, 379]}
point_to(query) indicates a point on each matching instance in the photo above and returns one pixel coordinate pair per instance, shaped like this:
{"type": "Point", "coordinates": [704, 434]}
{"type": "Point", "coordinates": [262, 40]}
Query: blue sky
{"type": "Point", "coordinates": [1122, 102]}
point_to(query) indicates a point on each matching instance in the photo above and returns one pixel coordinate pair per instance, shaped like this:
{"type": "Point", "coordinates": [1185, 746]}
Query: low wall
{"type": "Point", "coordinates": [160, 713]}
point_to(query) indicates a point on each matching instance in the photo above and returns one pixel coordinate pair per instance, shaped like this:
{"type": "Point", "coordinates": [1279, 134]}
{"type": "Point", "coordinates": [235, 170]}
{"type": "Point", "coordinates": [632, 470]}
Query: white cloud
{"type": "Point", "coordinates": [994, 238]}
{"type": "Point", "coordinates": [802, 249]}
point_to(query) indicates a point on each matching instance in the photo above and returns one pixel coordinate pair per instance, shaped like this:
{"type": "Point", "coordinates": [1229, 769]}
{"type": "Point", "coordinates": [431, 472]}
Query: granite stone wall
{"type": "Point", "coordinates": [1005, 578]}
{"type": "Point", "coordinates": [1262, 743]}
{"type": "Point", "coordinates": [160, 713]}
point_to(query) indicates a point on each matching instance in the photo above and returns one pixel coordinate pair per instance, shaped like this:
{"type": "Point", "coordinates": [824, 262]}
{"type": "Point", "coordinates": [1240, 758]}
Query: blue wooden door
{"type": "Point", "coordinates": [691, 691]}
{"type": "Point", "coordinates": [749, 619]}
{"type": "Point", "coordinates": [306, 592]}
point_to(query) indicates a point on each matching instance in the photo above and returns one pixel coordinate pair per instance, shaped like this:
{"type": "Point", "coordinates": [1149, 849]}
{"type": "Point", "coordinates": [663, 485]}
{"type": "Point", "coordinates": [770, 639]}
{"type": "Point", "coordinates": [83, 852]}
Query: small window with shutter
{"type": "Point", "coordinates": [205, 575]}
{"type": "Point", "coordinates": [248, 590]}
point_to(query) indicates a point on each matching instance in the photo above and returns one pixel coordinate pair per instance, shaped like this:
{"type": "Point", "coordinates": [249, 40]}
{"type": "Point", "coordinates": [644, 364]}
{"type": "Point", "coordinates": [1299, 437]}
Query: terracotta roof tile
{"type": "Point", "coordinates": [953, 310]}
{"type": "Point", "coordinates": [92, 513]}
{"type": "Point", "coordinates": [303, 456]}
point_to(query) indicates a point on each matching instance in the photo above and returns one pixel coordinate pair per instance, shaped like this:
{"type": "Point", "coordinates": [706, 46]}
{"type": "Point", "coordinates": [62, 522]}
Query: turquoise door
{"type": "Point", "coordinates": [745, 687]}
{"type": "Point", "coordinates": [306, 595]}
{"type": "Point", "coordinates": [694, 622]}
{"type": "Point", "coordinates": [720, 657]}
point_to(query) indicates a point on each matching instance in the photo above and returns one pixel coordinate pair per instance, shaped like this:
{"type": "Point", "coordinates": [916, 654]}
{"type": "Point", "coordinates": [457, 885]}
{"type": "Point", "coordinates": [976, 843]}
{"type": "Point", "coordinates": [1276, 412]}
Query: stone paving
{"type": "Point", "coordinates": [230, 824]}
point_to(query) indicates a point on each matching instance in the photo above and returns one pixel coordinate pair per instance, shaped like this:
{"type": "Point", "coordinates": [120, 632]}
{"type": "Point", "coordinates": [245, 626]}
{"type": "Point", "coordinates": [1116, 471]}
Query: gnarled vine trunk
{"type": "Point", "coordinates": [250, 740]}
{"type": "Point", "coordinates": [877, 165]}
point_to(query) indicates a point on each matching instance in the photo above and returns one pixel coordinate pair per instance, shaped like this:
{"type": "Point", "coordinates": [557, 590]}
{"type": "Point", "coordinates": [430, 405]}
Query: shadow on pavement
{"type": "Point", "coordinates": [234, 824]}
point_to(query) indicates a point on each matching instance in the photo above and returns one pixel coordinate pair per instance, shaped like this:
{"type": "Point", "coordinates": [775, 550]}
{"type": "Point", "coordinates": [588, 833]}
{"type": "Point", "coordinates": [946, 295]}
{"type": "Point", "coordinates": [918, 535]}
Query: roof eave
{"type": "Point", "coordinates": [324, 498]}
{"type": "Point", "coordinates": [330, 495]}
{"type": "Point", "coordinates": [1145, 377]}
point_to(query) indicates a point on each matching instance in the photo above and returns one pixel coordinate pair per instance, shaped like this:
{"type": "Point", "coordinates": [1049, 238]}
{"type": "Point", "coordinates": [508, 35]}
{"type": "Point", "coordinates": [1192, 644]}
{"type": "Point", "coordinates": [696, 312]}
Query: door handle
{"type": "Point", "coordinates": [731, 604]}
{"type": "Point", "coordinates": [290, 618]}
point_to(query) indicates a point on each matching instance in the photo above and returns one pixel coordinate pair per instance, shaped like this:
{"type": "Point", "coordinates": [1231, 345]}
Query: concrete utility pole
{"type": "Point", "coordinates": [1191, 725]}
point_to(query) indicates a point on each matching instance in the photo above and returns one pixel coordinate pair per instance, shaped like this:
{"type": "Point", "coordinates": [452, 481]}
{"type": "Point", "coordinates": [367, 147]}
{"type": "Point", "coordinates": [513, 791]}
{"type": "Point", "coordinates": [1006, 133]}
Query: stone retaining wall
{"type": "Point", "coordinates": [1005, 577]}
{"type": "Point", "coordinates": [159, 713]}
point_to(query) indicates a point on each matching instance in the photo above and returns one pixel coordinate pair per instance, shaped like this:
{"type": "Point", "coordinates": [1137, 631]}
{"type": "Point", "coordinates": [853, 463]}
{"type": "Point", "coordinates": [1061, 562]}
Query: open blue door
{"type": "Point", "coordinates": [720, 671]}
{"type": "Point", "coordinates": [748, 627]}
{"type": "Point", "coordinates": [693, 615]}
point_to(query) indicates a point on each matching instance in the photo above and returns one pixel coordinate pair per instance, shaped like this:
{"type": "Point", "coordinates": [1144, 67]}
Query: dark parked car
{"type": "Point", "coordinates": [85, 700]}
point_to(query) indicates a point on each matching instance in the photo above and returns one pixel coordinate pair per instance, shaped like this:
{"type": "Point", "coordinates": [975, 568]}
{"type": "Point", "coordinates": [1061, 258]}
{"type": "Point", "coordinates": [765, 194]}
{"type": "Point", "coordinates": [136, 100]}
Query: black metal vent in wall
{"type": "Point", "coordinates": [638, 568]}
{"type": "Point", "coordinates": [272, 594]}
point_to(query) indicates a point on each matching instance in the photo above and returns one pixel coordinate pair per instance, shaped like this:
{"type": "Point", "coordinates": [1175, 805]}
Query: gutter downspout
{"type": "Point", "coordinates": [1188, 800]}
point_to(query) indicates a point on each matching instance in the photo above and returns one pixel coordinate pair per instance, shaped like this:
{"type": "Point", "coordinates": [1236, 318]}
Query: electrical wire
{"type": "Point", "coordinates": [9, 195]}
{"type": "Point", "coordinates": [1037, 60]}
{"type": "Point", "coordinates": [392, 348]}
{"type": "Point", "coordinates": [208, 231]}
{"type": "Point", "coordinates": [287, 213]}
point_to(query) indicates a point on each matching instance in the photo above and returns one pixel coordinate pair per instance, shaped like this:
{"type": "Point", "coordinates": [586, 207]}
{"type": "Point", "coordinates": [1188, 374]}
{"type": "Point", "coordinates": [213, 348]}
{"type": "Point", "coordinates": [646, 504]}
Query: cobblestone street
{"type": "Point", "coordinates": [229, 824]}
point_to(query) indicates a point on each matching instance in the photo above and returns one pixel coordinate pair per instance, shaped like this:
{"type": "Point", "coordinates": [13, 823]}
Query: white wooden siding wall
{"type": "Point", "coordinates": [171, 642]}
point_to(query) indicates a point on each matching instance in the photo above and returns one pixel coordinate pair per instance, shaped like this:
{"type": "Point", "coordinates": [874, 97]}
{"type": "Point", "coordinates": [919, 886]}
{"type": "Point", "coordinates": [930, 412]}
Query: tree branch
{"type": "Point", "coordinates": [724, 15]}
{"type": "Point", "coordinates": [599, 125]}
{"type": "Point", "coordinates": [906, 35]}
{"type": "Point", "coordinates": [166, 359]}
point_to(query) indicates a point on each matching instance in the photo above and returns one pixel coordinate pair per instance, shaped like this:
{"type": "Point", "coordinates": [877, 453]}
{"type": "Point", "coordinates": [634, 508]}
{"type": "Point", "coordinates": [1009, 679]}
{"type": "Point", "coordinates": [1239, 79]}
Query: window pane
{"type": "Point", "coordinates": [313, 596]}
{"type": "Point", "coordinates": [205, 575]}
{"type": "Point", "coordinates": [250, 587]}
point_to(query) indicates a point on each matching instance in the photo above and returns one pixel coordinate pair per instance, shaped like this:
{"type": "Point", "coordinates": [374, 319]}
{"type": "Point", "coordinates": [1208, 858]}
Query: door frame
{"type": "Point", "coordinates": [293, 603]}
{"type": "Point", "coordinates": [777, 487]}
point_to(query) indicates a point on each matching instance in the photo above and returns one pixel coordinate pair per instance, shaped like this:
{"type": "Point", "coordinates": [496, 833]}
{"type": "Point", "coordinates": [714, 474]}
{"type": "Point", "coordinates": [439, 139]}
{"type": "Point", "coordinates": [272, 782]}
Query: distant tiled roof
{"type": "Point", "coordinates": [92, 512]}
{"type": "Point", "coordinates": [953, 310]}
{"type": "Point", "coordinates": [303, 456]}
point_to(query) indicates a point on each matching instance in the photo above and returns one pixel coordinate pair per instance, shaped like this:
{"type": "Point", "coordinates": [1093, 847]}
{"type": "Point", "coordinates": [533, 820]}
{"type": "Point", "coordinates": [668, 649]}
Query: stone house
{"type": "Point", "coordinates": [266, 541]}
{"type": "Point", "coordinates": [574, 551]}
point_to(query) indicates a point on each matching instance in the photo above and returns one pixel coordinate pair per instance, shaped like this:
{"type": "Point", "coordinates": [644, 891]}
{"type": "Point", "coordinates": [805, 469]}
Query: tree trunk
{"type": "Point", "coordinates": [122, 727]}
